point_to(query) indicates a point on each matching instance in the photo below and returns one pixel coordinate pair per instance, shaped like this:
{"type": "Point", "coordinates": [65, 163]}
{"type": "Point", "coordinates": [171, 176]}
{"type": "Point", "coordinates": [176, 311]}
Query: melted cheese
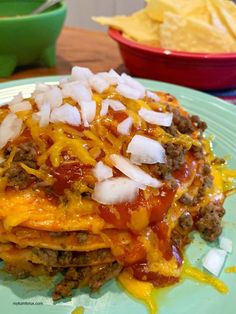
{"type": "Point", "coordinates": [78, 310]}
{"type": "Point", "coordinates": [30, 209]}
{"type": "Point", "coordinates": [140, 290]}
{"type": "Point", "coordinates": [203, 277]}
{"type": "Point", "coordinates": [231, 269]}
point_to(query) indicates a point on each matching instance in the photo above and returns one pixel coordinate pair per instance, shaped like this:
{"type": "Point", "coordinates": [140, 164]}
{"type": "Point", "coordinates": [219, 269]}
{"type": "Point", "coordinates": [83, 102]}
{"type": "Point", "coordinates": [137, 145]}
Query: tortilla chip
{"type": "Point", "coordinates": [193, 35]}
{"type": "Point", "coordinates": [227, 11]}
{"type": "Point", "coordinates": [216, 19]}
{"type": "Point", "coordinates": [137, 26]}
{"type": "Point", "coordinates": [157, 8]}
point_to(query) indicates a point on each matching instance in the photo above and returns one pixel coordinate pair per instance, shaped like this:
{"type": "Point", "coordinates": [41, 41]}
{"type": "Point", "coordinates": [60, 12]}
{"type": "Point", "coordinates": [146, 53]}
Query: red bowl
{"type": "Point", "coordinates": [205, 71]}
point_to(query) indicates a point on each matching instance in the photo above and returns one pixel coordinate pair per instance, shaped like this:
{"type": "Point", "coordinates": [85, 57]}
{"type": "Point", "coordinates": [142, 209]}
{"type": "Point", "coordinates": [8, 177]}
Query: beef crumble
{"type": "Point", "coordinates": [180, 234]}
{"type": "Point", "coordinates": [93, 277]}
{"type": "Point", "coordinates": [208, 222]}
{"type": "Point", "coordinates": [174, 160]}
{"type": "Point", "coordinates": [184, 124]}
{"type": "Point", "coordinates": [16, 176]}
{"type": "Point", "coordinates": [72, 258]}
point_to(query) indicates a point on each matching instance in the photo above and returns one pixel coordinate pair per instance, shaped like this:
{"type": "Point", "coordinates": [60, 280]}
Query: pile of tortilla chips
{"type": "Point", "coordinates": [181, 25]}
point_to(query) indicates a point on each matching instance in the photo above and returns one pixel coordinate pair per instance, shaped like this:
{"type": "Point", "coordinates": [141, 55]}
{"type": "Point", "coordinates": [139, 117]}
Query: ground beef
{"type": "Point", "coordinates": [184, 124]}
{"type": "Point", "coordinates": [25, 152]}
{"type": "Point", "coordinates": [218, 161]}
{"type": "Point", "coordinates": [72, 258]}
{"type": "Point", "coordinates": [16, 175]}
{"type": "Point", "coordinates": [200, 125]}
{"type": "Point", "coordinates": [94, 278]}
{"type": "Point", "coordinates": [186, 199]}
{"type": "Point", "coordinates": [208, 222]}
{"type": "Point", "coordinates": [74, 277]}
{"type": "Point", "coordinates": [197, 152]}
{"type": "Point", "coordinates": [108, 272]}
{"type": "Point", "coordinates": [174, 160]}
{"type": "Point", "coordinates": [21, 271]}
{"type": "Point", "coordinates": [179, 235]}
{"type": "Point", "coordinates": [206, 183]}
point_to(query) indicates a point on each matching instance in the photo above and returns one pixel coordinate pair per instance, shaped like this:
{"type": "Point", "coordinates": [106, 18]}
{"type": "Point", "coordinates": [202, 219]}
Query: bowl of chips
{"type": "Point", "coordinates": [190, 43]}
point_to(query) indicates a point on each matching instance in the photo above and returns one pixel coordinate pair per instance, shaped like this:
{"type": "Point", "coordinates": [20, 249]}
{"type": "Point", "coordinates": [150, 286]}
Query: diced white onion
{"type": "Point", "coordinates": [226, 244]}
{"type": "Point", "coordinates": [110, 77]}
{"type": "Point", "coordinates": [133, 172]}
{"type": "Point", "coordinates": [43, 115]}
{"type": "Point", "coordinates": [214, 261]}
{"type": "Point", "coordinates": [98, 83]}
{"type": "Point", "coordinates": [158, 118]}
{"type": "Point", "coordinates": [131, 82]}
{"type": "Point", "coordinates": [81, 74]}
{"type": "Point", "coordinates": [52, 96]}
{"type": "Point", "coordinates": [66, 114]}
{"type": "Point", "coordinates": [104, 109]}
{"type": "Point", "coordinates": [88, 111]}
{"type": "Point", "coordinates": [128, 91]}
{"type": "Point", "coordinates": [145, 150]}
{"type": "Point", "coordinates": [41, 87]}
{"type": "Point", "coordinates": [16, 99]}
{"type": "Point", "coordinates": [152, 95]}
{"type": "Point", "coordinates": [116, 105]}
{"type": "Point", "coordinates": [10, 128]}
{"type": "Point", "coordinates": [77, 91]}
{"type": "Point", "coordinates": [21, 106]}
{"type": "Point", "coordinates": [124, 127]}
{"type": "Point", "coordinates": [115, 190]}
{"type": "Point", "coordinates": [102, 171]}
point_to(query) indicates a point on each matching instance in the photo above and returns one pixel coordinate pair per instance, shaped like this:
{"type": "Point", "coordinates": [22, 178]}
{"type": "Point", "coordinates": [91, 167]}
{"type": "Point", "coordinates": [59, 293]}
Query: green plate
{"type": "Point", "coordinates": [33, 295]}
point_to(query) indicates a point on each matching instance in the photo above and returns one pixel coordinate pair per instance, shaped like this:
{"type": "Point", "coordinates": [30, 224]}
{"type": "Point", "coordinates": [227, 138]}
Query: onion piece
{"type": "Point", "coordinates": [102, 171]}
{"type": "Point", "coordinates": [53, 97]}
{"type": "Point", "coordinates": [128, 92]}
{"type": "Point", "coordinates": [10, 128]}
{"type": "Point", "coordinates": [41, 87]}
{"type": "Point", "coordinates": [116, 105]}
{"type": "Point", "coordinates": [88, 111]}
{"type": "Point", "coordinates": [104, 109]}
{"type": "Point", "coordinates": [111, 77]}
{"type": "Point", "coordinates": [98, 83]}
{"type": "Point", "coordinates": [77, 91]}
{"type": "Point", "coordinates": [43, 115]}
{"type": "Point", "coordinates": [66, 114]}
{"type": "Point", "coordinates": [157, 118]}
{"type": "Point", "coordinates": [81, 74]}
{"type": "Point", "coordinates": [115, 190]}
{"type": "Point", "coordinates": [21, 106]}
{"type": "Point", "coordinates": [145, 150]}
{"type": "Point", "coordinates": [152, 96]}
{"type": "Point", "coordinates": [131, 82]}
{"type": "Point", "coordinates": [124, 127]}
{"type": "Point", "coordinates": [214, 260]}
{"type": "Point", "coordinates": [133, 172]}
{"type": "Point", "coordinates": [16, 99]}
{"type": "Point", "coordinates": [226, 244]}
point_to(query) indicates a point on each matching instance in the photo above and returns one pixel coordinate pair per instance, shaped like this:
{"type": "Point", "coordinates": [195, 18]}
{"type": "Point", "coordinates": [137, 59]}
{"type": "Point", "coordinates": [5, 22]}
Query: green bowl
{"type": "Point", "coordinates": [28, 39]}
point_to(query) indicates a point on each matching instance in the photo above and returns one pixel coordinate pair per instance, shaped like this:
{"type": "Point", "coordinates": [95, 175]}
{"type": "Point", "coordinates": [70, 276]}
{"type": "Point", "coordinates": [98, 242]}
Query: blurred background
{"type": "Point", "coordinates": [80, 11]}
